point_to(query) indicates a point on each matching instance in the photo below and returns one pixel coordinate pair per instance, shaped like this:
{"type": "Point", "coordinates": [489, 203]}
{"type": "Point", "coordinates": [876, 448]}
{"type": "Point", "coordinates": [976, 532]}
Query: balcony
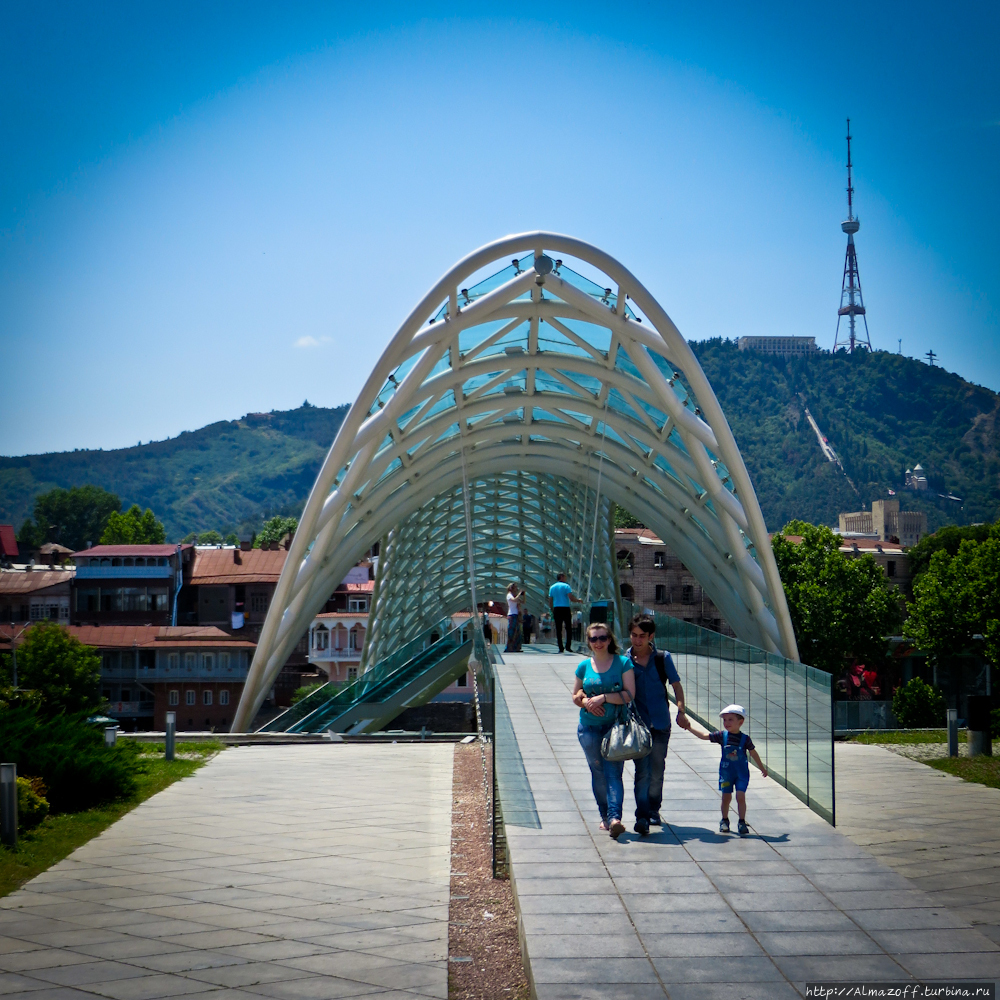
{"type": "Point", "coordinates": [124, 572]}
{"type": "Point", "coordinates": [333, 655]}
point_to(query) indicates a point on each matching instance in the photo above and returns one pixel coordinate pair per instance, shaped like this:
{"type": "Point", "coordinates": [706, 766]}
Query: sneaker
{"type": "Point", "coordinates": [742, 829]}
{"type": "Point", "coordinates": [642, 827]}
{"type": "Point", "coordinates": [723, 826]}
{"type": "Point", "coordinates": [617, 829]}
{"type": "Point", "coordinates": [655, 820]}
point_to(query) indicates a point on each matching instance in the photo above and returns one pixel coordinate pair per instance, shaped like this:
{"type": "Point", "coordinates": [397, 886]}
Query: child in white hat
{"type": "Point", "coordinates": [734, 770]}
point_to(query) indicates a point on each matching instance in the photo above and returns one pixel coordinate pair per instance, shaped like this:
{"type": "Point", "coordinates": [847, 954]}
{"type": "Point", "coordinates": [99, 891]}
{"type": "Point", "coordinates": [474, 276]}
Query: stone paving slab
{"type": "Point", "coordinates": [940, 832]}
{"type": "Point", "coordinates": [688, 912]}
{"type": "Point", "coordinates": [274, 872]}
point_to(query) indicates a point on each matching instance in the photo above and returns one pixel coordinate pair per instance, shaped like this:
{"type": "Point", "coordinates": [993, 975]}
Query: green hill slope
{"type": "Point", "coordinates": [224, 476]}
{"type": "Point", "coordinates": [883, 413]}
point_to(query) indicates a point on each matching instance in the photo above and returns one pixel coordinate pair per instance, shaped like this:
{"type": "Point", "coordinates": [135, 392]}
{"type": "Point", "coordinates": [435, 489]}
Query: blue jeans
{"type": "Point", "coordinates": [649, 776]}
{"type": "Point", "coordinates": [605, 775]}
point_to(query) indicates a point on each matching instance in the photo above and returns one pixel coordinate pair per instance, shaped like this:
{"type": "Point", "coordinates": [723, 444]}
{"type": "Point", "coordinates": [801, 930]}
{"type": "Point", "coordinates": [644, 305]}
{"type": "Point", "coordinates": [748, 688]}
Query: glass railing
{"type": "Point", "coordinates": [333, 696]}
{"type": "Point", "coordinates": [789, 705]}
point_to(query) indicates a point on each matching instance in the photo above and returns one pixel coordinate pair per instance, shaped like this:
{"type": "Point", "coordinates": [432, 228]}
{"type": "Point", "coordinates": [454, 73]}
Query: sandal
{"type": "Point", "coordinates": [604, 825]}
{"type": "Point", "coordinates": [617, 829]}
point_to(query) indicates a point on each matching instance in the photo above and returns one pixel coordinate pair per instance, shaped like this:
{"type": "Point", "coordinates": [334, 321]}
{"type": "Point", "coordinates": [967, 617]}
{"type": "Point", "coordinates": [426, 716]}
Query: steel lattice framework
{"type": "Point", "coordinates": [555, 394]}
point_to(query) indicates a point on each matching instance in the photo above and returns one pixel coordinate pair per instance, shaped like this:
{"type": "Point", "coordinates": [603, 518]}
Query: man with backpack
{"type": "Point", "coordinates": [653, 670]}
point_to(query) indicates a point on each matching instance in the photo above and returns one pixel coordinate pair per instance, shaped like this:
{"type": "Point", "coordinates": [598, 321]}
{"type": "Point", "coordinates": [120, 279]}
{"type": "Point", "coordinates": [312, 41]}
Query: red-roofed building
{"type": "Point", "coordinates": [8, 543]}
{"type": "Point", "coordinates": [149, 670]}
{"type": "Point", "coordinates": [128, 584]}
{"type": "Point", "coordinates": [35, 595]}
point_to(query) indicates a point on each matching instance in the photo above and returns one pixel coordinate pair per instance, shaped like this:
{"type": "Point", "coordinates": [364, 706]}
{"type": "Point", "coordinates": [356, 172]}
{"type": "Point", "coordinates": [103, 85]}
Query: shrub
{"type": "Point", "coordinates": [32, 806]}
{"type": "Point", "coordinates": [917, 705]}
{"type": "Point", "coordinates": [78, 770]}
{"type": "Point", "coordinates": [65, 673]}
{"type": "Point", "coordinates": [304, 692]}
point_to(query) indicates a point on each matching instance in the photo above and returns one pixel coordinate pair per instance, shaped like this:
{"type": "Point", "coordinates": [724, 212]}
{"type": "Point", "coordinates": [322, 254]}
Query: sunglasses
{"type": "Point", "coordinates": [599, 638]}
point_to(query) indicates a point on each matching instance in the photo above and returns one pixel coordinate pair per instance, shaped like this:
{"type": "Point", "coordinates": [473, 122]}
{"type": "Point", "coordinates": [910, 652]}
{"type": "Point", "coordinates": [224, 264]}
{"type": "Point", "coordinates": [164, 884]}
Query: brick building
{"type": "Point", "coordinates": [652, 576]}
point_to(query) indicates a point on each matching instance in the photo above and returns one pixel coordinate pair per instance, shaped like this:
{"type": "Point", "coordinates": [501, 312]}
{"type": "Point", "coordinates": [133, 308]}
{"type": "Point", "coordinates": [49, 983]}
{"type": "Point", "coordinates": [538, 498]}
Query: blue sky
{"type": "Point", "coordinates": [210, 212]}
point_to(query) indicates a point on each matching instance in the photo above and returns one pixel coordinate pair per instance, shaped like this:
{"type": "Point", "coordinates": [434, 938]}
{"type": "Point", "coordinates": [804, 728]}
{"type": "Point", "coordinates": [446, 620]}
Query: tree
{"type": "Point", "coordinates": [70, 517]}
{"type": "Point", "coordinates": [64, 673]}
{"type": "Point", "coordinates": [625, 519]}
{"type": "Point", "coordinates": [275, 529]}
{"type": "Point", "coordinates": [133, 528]}
{"type": "Point", "coordinates": [842, 608]}
{"type": "Point", "coordinates": [948, 538]}
{"type": "Point", "coordinates": [957, 598]}
{"type": "Point", "coordinates": [232, 539]}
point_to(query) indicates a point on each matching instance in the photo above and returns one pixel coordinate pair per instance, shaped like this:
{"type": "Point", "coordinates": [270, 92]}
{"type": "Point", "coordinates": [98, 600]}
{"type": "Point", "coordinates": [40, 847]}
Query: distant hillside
{"type": "Point", "coordinates": [224, 476]}
{"type": "Point", "coordinates": [883, 413]}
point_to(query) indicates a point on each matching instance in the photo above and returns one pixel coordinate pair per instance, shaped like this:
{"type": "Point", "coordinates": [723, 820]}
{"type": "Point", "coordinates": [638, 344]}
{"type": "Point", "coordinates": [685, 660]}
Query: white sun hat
{"type": "Point", "coordinates": [735, 709]}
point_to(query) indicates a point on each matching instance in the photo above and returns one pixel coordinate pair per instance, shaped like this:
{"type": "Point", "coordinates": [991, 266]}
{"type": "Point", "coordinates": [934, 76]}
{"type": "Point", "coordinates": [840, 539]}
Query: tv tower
{"type": "Point", "coordinates": [852, 304]}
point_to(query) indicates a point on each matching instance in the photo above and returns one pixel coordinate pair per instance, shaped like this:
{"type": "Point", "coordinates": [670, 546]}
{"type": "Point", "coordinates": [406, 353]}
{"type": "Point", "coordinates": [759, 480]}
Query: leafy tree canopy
{"type": "Point", "coordinates": [842, 608]}
{"type": "Point", "coordinates": [948, 538]}
{"type": "Point", "coordinates": [133, 527]}
{"type": "Point", "coordinates": [957, 598]}
{"type": "Point", "coordinates": [70, 517]}
{"type": "Point", "coordinates": [63, 673]}
{"type": "Point", "coordinates": [275, 529]}
{"type": "Point", "coordinates": [625, 519]}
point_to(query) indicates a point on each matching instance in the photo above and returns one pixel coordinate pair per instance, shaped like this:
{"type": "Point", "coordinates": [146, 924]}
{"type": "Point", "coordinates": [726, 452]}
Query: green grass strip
{"type": "Point", "coordinates": [980, 770]}
{"type": "Point", "coordinates": [917, 736]}
{"type": "Point", "coordinates": [56, 837]}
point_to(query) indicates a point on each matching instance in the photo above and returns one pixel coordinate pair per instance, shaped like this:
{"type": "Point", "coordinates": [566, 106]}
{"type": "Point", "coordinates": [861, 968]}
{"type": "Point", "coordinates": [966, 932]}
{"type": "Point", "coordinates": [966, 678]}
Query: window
{"type": "Point", "coordinates": [147, 659]}
{"type": "Point", "coordinates": [134, 599]}
{"type": "Point", "coordinates": [174, 698]}
{"type": "Point", "coordinates": [189, 661]}
{"type": "Point", "coordinates": [208, 662]}
{"type": "Point", "coordinates": [158, 599]}
{"type": "Point", "coordinates": [661, 594]}
{"type": "Point", "coordinates": [659, 560]}
{"type": "Point", "coordinates": [890, 568]}
{"type": "Point", "coordinates": [258, 603]}
{"type": "Point", "coordinates": [627, 591]}
{"type": "Point", "coordinates": [88, 600]}
{"type": "Point", "coordinates": [224, 697]}
{"type": "Point", "coordinates": [106, 694]}
{"type": "Point", "coordinates": [463, 681]}
{"type": "Point", "coordinates": [687, 594]}
{"type": "Point", "coordinates": [206, 697]}
{"type": "Point", "coordinates": [174, 661]}
{"type": "Point", "coordinates": [357, 604]}
{"type": "Point", "coordinates": [116, 562]}
{"type": "Point", "coordinates": [37, 612]}
{"type": "Point", "coordinates": [625, 559]}
{"type": "Point", "coordinates": [126, 694]}
{"type": "Point", "coordinates": [352, 640]}
{"type": "Point", "coordinates": [223, 662]}
{"type": "Point", "coordinates": [162, 561]}
{"type": "Point", "coordinates": [140, 562]}
{"type": "Point", "coordinates": [111, 661]}
{"type": "Point", "coordinates": [128, 561]}
{"type": "Point", "coordinates": [111, 599]}
{"type": "Point", "coordinates": [321, 638]}
{"type": "Point", "coordinates": [189, 697]}
{"type": "Point", "coordinates": [352, 674]}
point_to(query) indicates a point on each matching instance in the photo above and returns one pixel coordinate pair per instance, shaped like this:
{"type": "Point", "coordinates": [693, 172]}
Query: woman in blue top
{"type": "Point", "coordinates": [603, 681]}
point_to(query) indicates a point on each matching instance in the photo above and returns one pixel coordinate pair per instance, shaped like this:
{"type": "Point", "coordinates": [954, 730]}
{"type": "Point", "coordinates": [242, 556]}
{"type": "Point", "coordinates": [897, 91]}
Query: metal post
{"type": "Point", "coordinates": [952, 732]}
{"type": "Point", "coordinates": [8, 804]}
{"type": "Point", "coordinates": [110, 735]}
{"type": "Point", "coordinates": [170, 735]}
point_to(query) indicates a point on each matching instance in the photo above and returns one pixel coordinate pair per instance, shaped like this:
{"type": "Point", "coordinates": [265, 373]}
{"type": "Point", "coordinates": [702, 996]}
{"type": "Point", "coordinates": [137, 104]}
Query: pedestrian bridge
{"type": "Point", "coordinates": [536, 384]}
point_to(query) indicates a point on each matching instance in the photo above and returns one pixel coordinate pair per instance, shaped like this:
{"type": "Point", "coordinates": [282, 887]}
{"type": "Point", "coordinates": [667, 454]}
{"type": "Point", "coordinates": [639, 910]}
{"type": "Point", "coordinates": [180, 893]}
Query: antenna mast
{"type": "Point", "coordinates": [852, 304]}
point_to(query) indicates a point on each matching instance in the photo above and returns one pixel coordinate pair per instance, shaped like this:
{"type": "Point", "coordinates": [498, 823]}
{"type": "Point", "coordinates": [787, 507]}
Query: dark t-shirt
{"type": "Point", "coordinates": [734, 738]}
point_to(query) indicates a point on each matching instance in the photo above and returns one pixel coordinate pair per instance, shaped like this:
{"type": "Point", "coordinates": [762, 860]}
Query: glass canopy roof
{"type": "Point", "coordinates": [555, 395]}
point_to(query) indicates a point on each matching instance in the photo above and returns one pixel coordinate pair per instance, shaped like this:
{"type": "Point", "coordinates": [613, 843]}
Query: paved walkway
{"type": "Point", "coordinates": [942, 833]}
{"type": "Point", "coordinates": [688, 913]}
{"type": "Point", "coordinates": [284, 872]}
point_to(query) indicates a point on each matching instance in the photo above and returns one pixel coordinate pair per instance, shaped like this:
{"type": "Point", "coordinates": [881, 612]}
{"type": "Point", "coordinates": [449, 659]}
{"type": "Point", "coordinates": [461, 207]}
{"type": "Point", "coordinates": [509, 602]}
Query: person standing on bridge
{"type": "Point", "coordinates": [653, 669]}
{"type": "Point", "coordinates": [560, 596]}
{"type": "Point", "coordinates": [604, 681]}
{"type": "Point", "coordinates": [515, 601]}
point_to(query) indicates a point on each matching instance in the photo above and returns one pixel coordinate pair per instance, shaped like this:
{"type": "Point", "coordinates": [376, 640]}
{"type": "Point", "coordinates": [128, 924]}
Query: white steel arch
{"type": "Point", "coordinates": [540, 371]}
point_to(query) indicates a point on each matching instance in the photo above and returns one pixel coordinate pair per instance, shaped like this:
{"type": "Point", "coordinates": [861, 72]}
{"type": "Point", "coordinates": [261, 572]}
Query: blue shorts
{"type": "Point", "coordinates": [733, 780]}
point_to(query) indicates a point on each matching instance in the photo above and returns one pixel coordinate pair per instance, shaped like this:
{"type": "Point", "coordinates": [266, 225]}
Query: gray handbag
{"type": "Point", "coordinates": [628, 738]}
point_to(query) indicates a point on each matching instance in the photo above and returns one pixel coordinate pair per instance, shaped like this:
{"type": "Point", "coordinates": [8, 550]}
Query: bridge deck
{"type": "Point", "coordinates": [688, 912]}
